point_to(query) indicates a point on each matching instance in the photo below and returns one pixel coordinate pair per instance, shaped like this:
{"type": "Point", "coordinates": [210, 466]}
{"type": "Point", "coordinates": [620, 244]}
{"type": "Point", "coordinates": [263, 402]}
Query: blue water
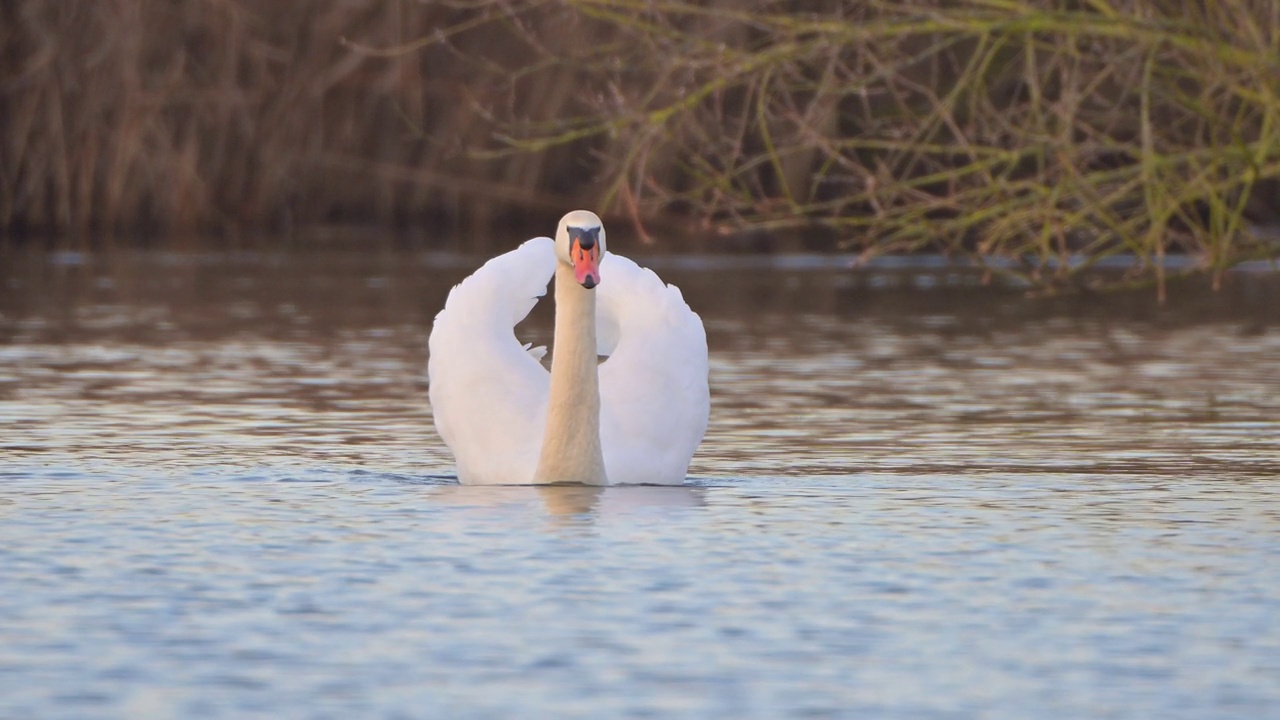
{"type": "Point", "coordinates": [220, 496]}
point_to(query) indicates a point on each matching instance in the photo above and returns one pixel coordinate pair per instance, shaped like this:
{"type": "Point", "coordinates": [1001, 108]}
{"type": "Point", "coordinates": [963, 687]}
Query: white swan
{"type": "Point", "coordinates": [635, 418]}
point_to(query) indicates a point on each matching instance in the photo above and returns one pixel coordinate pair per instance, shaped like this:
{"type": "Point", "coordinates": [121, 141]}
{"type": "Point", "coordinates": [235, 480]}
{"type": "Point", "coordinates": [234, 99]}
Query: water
{"type": "Point", "coordinates": [221, 496]}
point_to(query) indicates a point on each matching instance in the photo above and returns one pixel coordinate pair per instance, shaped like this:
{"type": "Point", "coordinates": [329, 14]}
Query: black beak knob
{"type": "Point", "coordinates": [586, 238]}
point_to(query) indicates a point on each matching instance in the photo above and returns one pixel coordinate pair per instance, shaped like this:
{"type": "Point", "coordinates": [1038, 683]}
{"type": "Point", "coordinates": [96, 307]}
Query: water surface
{"type": "Point", "coordinates": [221, 496]}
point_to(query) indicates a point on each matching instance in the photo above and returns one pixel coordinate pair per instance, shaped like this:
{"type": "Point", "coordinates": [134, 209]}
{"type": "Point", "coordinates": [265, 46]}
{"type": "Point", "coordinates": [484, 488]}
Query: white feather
{"type": "Point", "coordinates": [653, 388]}
{"type": "Point", "coordinates": [488, 394]}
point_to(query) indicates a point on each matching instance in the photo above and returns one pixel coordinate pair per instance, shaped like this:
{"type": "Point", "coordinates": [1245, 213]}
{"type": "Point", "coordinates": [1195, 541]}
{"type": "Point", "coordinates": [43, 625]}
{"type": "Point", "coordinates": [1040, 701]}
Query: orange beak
{"type": "Point", "coordinates": [586, 264]}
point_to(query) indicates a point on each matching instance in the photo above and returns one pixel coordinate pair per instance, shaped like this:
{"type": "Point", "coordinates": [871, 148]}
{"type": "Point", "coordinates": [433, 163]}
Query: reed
{"type": "Point", "coordinates": [1048, 134]}
{"type": "Point", "coordinates": [132, 119]}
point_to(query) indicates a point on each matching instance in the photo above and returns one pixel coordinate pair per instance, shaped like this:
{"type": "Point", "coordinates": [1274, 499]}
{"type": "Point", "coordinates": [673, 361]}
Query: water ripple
{"type": "Point", "coordinates": [221, 496]}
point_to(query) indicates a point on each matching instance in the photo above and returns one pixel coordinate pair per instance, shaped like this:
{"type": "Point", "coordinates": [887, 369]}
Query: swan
{"type": "Point", "coordinates": [635, 418]}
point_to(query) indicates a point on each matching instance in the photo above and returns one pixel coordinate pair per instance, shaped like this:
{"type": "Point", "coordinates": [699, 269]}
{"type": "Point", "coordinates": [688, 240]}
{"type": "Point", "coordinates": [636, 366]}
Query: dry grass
{"type": "Point", "coordinates": [1050, 134]}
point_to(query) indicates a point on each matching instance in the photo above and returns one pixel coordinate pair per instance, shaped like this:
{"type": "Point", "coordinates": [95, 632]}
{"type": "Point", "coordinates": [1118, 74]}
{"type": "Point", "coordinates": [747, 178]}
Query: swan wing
{"type": "Point", "coordinates": [653, 386]}
{"type": "Point", "coordinates": [488, 392]}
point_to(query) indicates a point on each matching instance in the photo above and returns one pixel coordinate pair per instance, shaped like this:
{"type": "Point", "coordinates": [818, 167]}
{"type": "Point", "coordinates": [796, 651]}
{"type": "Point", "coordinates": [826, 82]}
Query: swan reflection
{"type": "Point", "coordinates": [589, 502]}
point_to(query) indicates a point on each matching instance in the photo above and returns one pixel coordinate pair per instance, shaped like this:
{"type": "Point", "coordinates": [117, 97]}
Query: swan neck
{"type": "Point", "coordinates": [571, 451]}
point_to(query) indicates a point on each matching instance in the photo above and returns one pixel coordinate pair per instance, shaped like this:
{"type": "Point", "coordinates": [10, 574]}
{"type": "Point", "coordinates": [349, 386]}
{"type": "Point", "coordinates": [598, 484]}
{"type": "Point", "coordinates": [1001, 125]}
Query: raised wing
{"type": "Point", "coordinates": [653, 387]}
{"type": "Point", "coordinates": [488, 393]}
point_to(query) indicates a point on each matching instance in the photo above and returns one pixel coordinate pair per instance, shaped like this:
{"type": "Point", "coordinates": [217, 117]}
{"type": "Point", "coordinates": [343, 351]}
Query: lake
{"type": "Point", "coordinates": [221, 496]}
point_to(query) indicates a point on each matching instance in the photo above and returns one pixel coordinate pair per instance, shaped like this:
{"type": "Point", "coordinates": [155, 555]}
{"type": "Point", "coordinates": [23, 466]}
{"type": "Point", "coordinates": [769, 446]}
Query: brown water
{"type": "Point", "coordinates": [221, 495]}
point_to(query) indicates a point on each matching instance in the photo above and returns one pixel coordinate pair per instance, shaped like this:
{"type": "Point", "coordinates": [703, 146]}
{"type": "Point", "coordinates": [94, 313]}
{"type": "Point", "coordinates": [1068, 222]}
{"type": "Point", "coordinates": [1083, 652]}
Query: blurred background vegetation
{"type": "Point", "coordinates": [1036, 136]}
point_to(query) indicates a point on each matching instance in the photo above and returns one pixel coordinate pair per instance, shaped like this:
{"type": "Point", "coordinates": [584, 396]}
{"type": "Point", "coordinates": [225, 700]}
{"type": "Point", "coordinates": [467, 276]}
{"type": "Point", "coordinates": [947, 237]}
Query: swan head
{"type": "Point", "coordinates": [580, 244]}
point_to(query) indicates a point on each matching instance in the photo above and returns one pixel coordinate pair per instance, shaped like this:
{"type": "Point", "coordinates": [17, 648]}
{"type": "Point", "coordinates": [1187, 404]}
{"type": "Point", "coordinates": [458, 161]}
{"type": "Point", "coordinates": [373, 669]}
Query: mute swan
{"type": "Point", "coordinates": [635, 418]}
